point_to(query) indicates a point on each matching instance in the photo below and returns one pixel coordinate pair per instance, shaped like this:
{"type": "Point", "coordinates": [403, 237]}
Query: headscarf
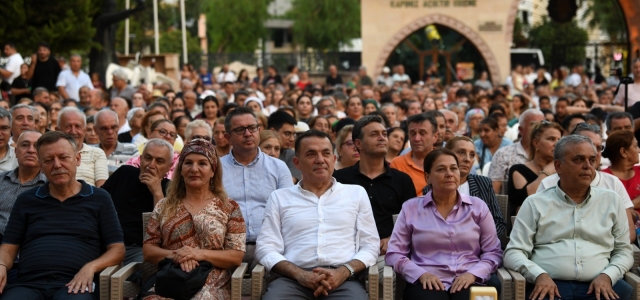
{"type": "Point", "coordinates": [472, 112]}
{"type": "Point", "coordinates": [203, 147]}
{"type": "Point", "coordinates": [374, 102]}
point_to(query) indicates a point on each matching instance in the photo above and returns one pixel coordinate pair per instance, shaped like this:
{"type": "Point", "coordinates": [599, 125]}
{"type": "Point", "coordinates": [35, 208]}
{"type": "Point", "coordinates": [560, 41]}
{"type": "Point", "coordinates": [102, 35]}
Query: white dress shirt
{"type": "Point", "coordinates": [309, 231]}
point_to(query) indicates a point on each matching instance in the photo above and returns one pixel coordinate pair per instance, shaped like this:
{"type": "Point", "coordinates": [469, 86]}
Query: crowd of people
{"type": "Point", "coordinates": [306, 177]}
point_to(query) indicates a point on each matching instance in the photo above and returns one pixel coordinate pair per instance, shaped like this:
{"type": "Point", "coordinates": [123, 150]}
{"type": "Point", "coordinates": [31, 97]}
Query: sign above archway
{"type": "Point", "coordinates": [486, 24]}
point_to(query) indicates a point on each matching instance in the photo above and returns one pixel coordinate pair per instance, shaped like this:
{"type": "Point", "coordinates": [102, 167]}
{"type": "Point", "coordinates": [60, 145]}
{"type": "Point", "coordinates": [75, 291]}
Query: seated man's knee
{"type": "Point", "coordinates": [623, 289]}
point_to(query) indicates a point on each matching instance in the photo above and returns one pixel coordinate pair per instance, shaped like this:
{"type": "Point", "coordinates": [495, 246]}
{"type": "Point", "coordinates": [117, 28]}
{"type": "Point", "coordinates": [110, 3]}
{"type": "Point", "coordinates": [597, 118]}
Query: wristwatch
{"type": "Point", "coordinates": [543, 172]}
{"type": "Point", "coordinates": [351, 271]}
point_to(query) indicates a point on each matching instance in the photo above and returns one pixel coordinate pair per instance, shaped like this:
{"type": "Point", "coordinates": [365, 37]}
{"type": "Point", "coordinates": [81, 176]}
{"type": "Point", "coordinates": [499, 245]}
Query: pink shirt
{"type": "Point", "coordinates": [423, 241]}
{"type": "Point", "coordinates": [135, 161]}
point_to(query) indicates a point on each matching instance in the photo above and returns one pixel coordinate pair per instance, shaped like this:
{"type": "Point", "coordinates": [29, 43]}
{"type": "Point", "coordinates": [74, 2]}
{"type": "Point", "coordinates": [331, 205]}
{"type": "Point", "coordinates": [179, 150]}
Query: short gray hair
{"type": "Point", "coordinates": [71, 109]}
{"type": "Point", "coordinates": [5, 114]}
{"type": "Point", "coordinates": [159, 142]}
{"type": "Point", "coordinates": [618, 115]}
{"type": "Point", "coordinates": [34, 111]}
{"type": "Point", "coordinates": [105, 111]}
{"type": "Point", "coordinates": [455, 115]}
{"type": "Point", "coordinates": [196, 124]}
{"type": "Point", "coordinates": [132, 112]}
{"type": "Point", "coordinates": [120, 74]}
{"type": "Point", "coordinates": [568, 142]}
{"type": "Point", "coordinates": [529, 113]}
{"type": "Point", "coordinates": [39, 90]}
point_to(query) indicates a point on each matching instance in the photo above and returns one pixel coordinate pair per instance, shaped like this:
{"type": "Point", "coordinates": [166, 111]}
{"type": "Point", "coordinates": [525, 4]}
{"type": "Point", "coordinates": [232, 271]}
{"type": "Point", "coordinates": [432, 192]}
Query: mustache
{"type": "Point", "coordinates": [59, 171]}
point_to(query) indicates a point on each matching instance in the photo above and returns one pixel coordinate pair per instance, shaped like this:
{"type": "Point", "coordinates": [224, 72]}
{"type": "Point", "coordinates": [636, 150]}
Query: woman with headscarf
{"type": "Point", "coordinates": [197, 222]}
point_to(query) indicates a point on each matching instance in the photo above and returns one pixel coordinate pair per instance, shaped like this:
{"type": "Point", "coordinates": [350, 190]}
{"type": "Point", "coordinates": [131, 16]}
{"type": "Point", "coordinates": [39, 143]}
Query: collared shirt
{"type": "Point", "coordinates": [387, 193]}
{"type": "Point", "coordinates": [480, 148]}
{"type": "Point", "coordinates": [93, 165]}
{"type": "Point", "coordinates": [124, 128]}
{"type": "Point", "coordinates": [9, 162]}
{"type": "Point", "coordinates": [603, 180]}
{"type": "Point", "coordinates": [504, 158]}
{"type": "Point", "coordinates": [11, 187]}
{"type": "Point", "coordinates": [122, 153]}
{"type": "Point", "coordinates": [405, 164]}
{"type": "Point", "coordinates": [552, 234]}
{"type": "Point", "coordinates": [57, 238]}
{"type": "Point", "coordinates": [311, 231]}
{"type": "Point", "coordinates": [72, 84]}
{"type": "Point", "coordinates": [251, 185]}
{"type": "Point", "coordinates": [13, 66]}
{"type": "Point", "coordinates": [424, 241]}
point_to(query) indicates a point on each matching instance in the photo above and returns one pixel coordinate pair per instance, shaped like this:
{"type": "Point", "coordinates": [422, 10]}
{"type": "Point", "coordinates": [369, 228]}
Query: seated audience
{"type": "Point", "coordinates": [165, 130]}
{"type": "Point", "coordinates": [570, 241]}
{"type": "Point", "coordinates": [270, 143]}
{"type": "Point", "coordinates": [345, 149]}
{"type": "Point", "coordinates": [197, 222]}
{"type": "Point", "coordinates": [444, 242]}
{"type": "Point", "coordinates": [66, 231]}
{"type": "Point", "coordinates": [622, 151]}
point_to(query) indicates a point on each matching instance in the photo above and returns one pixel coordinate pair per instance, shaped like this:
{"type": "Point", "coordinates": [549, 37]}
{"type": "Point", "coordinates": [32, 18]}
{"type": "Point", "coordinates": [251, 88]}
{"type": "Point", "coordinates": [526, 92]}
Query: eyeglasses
{"type": "Point", "coordinates": [289, 134]}
{"type": "Point", "coordinates": [5, 128]}
{"type": "Point", "coordinates": [349, 144]}
{"type": "Point", "coordinates": [582, 126]}
{"type": "Point", "coordinates": [163, 132]}
{"type": "Point", "coordinates": [241, 130]}
{"type": "Point", "coordinates": [204, 137]}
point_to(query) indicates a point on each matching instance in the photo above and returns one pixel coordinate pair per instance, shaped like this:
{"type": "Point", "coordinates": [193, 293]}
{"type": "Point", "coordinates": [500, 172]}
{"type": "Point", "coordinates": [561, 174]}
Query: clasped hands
{"type": "Point", "coordinates": [187, 257]}
{"type": "Point", "coordinates": [322, 280]}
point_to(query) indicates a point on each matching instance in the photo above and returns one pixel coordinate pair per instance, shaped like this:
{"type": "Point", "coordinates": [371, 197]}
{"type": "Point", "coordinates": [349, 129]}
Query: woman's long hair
{"type": "Point", "coordinates": [177, 189]}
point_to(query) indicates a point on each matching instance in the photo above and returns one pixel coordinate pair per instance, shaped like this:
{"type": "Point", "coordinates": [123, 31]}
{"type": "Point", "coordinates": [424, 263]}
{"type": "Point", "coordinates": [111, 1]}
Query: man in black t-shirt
{"type": "Point", "coordinates": [44, 68]}
{"type": "Point", "coordinates": [333, 78]}
{"type": "Point", "coordinates": [66, 230]}
{"type": "Point", "coordinates": [135, 191]}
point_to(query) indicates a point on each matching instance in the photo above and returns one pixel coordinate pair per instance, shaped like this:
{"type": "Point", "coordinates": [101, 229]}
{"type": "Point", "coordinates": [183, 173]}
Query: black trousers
{"type": "Point", "coordinates": [50, 293]}
{"type": "Point", "coordinates": [415, 291]}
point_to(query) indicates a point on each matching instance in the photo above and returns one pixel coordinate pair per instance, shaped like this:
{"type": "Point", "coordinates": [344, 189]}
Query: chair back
{"type": "Point", "coordinates": [503, 202]}
{"type": "Point", "coordinates": [395, 218]}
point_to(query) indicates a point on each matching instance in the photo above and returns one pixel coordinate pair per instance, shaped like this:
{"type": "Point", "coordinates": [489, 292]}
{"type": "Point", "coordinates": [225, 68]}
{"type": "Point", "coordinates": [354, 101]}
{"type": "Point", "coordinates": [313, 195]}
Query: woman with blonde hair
{"type": "Point", "coordinates": [197, 222]}
{"type": "Point", "coordinates": [270, 143]}
{"type": "Point", "coordinates": [346, 149]}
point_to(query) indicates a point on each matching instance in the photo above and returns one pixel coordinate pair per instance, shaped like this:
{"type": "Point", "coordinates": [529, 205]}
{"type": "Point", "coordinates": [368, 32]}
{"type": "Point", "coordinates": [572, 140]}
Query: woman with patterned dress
{"type": "Point", "coordinates": [197, 222]}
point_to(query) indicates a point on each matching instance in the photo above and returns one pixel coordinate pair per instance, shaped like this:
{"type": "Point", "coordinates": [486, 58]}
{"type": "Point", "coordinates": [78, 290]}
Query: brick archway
{"type": "Point", "coordinates": [452, 23]}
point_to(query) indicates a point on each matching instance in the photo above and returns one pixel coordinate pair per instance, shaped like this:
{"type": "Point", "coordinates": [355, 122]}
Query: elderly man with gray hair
{"type": "Point", "coordinates": [136, 190]}
{"type": "Point", "coordinates": [571, 241]}
{"type": "Point", "coordinates": [120, 86]}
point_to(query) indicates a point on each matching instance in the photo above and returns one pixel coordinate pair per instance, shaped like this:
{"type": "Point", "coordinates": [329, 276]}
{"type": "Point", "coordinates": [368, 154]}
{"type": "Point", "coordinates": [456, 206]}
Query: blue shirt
{"type": "Point", "coordinates": [487, 153]}
{"type": "Point", "coordinates": [206, 79]}
{"type": "Point", "coordinates": [251, 185]}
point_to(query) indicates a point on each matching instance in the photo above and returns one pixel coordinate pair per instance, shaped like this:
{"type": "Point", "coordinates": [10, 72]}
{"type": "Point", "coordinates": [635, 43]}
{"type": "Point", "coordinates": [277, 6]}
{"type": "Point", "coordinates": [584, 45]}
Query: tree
{"type": "Point", "coordinates": [141, 26]}
{"type": "Point", "coordinates": [561, 43]}
{"type": "Point", "coordinates": [171, 42]}
{"type": "Point", "coordinates": [606, 15]}
{"type": "Point", "coordinates": [519, 38]}
{"type": "Point", "coordinates": [64, 24]}
{"type": "Point", "coordinates": [235, 25]}
{"type": "Point", "coordinates": [325, 24]}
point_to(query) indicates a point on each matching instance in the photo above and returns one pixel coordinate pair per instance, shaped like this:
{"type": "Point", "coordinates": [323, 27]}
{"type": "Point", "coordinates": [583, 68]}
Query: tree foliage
{"type": "Point", "coordinates": [519, 38]}
{"type": "Point", "coordinates": [171, 42]}
{"type": "Point", "coordinates": [561, 43]}
{"type": "Point", "coordinates": [141, 26]}
{"type": "Point", "coordinates": [606, 15]}
{"type": "Point", "coordinates": [235, 25]}
{"type": "Point", "coordinates": [325, 24]}
{"type": "Point", "coordinates": [64, 24]}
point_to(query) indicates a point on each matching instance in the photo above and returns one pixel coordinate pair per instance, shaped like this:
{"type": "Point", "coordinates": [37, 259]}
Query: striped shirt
{"type": "Point", "coordinates": [11, 187]}
{"type": "Point", "coordinates": [93, 165]}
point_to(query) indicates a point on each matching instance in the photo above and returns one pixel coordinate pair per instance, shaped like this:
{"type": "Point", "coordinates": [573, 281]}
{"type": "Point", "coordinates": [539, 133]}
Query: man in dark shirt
{"type": "Point", "coordinates": [272, 77]}
{"type": "Point", "coordinates": [66, 230]}
{"type": "Point", "coordinates": [135, 191]}
{"type": "Point", "coordinates": [44, 69]}
{"type": "Point", "coordinates": [387, 188]}
{"type": "Point", "coordinates": [333, 78]}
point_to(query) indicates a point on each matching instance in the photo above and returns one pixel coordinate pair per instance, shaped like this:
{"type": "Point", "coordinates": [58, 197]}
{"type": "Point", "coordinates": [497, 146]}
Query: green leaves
{"type": "Point", "coordinates": [325, 24]}
{"type": "Point", "coordinates": [235, 25]}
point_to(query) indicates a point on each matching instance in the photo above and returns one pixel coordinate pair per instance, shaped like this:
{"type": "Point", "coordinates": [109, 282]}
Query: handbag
{"type": "Point", "coordinates": [172, 282]}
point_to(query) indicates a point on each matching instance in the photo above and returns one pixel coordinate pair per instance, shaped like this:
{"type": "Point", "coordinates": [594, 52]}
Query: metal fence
{"type": "Point", "coordinates": [313, 62]}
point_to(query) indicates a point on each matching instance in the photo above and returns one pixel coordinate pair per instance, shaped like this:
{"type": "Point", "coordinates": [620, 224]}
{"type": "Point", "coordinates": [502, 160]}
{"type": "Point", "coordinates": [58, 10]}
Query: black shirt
{"type": "Point", "coordinates": [46, 74]}
{"type": "Point", "coordinates": [331, 81]}
{"type": "Point", "coordinates": [387, 193]}
{"type": "Point", "coordinates": [272, 79]}
{"type": "Point", "coordinates": [131, 198]}
{"type": "Point", "coordinates": [57, 238]}
{"type": "Point", "coordinates": [125, 137]}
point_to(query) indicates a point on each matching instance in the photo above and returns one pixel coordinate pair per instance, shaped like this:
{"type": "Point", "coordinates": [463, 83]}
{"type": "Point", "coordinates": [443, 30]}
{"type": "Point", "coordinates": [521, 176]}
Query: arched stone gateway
{"type": "Point", "coordinates": [487, 24]}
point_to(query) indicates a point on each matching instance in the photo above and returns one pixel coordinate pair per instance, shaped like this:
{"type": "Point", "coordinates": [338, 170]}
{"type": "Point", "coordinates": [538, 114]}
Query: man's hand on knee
{"type": "Point", "coordinates": [545, 287]}
{"type": "Point", "coordinates": [602, 288]}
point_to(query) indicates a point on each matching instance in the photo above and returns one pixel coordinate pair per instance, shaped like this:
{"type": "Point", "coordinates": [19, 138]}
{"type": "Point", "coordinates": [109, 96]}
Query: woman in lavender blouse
{"type": "Point", "coordinates": [443, 242]}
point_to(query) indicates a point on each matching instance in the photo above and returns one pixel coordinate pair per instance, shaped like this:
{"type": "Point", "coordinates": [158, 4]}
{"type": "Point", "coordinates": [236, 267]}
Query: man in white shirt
{"type": "Point", "coordinates": [319, 234]}
{"type": "Point", "coordinates": [575, 78]}
{"type": "Point", "coordinates": [225, 75]}
{"type": "Point", "coordinates": [401, 76]}
{"type": "Point", "coordinates": [12, 69]}
{"type": "Point", "coordinates": [71, 80]}
{"type": "Point", "coordinates": [601, 179]}
{"type": "Point", "coordinates": [8, 160]}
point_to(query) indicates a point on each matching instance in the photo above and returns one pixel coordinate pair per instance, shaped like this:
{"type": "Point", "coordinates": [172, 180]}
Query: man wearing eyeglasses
{"type": "Point", "coordinates": [8, 160]}
{"type": "Point", "coordinates": [249, 175]}
{"type": "Point", "coordinates": [601, 179]}
{"type": "Point", "coordinates": [284, 124]}
{"type": "Point", "coordinates": [106, 126]}
{"type": "Point", "coordinates": [25, 176]}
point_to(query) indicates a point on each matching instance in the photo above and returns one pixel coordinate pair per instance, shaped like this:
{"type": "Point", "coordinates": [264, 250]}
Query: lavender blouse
{"type": "Point", "coordinates": [423, 241]}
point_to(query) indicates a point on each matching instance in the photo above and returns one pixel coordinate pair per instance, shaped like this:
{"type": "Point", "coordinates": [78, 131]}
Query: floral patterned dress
{"type": "Point", "coordinates": [218, 226]}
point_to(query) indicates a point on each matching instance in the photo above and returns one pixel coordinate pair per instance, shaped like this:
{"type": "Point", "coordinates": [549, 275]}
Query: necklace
{"type": "Point", "coordinates": [191, 205]}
